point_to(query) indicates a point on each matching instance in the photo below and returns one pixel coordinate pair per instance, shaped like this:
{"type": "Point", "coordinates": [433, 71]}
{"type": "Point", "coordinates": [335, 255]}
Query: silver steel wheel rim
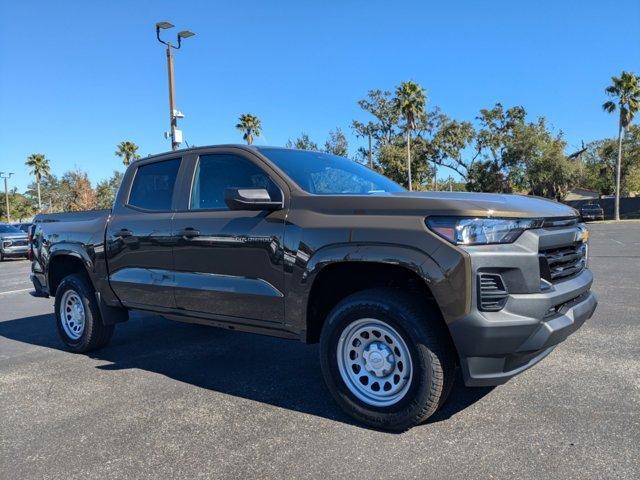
{"type": "Point", "coordinates": [72, 314]}
{"type": "Point", "coordinates": [374, 362]}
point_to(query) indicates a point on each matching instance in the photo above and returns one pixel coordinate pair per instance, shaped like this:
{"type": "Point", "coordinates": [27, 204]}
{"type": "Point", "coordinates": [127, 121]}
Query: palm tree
{"type": "Point", "coordinates": [39, 168]}
{"type": "Point", "coordinates": [250, 126]}
{"type": "Point", "coordinates": [410, 101]}
{"type": "Point", "coordinates": [625, 92]}
{"type": "Point", "coordinates": [365, 130]}
{"type": "Point", "coordinates": [127, 151]}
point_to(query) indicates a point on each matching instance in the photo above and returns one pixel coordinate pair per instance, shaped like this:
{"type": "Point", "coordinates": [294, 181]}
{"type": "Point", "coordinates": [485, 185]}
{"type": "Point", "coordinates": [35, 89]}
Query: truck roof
{"type": "Point", "coordinates": [253, 148]}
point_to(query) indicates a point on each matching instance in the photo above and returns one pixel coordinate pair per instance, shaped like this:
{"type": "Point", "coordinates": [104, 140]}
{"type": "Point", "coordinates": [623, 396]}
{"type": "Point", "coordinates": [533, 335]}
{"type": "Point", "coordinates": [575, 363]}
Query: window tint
{"type": "Point", "coordinates": [214, 173]}
{"type": "Point", "coordinates": [153, 185]}
{"type": "Point", "coordinates": [325, 174]}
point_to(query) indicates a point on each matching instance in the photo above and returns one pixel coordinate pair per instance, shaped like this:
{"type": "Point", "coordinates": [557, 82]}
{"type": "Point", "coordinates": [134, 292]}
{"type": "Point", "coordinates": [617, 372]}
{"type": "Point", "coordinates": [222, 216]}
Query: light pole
{"type": "Point", "coordinates": [6, 192]}
{"type": "Point", "coordinates": [176, 135]}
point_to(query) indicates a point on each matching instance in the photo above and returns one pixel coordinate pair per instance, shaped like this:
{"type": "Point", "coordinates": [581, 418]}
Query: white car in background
{"type": "Point", "coordinates": [13, 242]}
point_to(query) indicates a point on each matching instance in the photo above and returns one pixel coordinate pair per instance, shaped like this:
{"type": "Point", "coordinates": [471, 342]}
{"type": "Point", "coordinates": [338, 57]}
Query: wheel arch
{"type": "Point", "coordinates": [333, 273]}
{"type": "Point", "coordinates": [65, 260]}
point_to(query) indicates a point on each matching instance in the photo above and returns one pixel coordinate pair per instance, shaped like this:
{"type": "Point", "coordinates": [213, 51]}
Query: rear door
{"type": "Point", "coordinates": [138, 238]}
{"type": "Point", "coordinates": [229, 263]}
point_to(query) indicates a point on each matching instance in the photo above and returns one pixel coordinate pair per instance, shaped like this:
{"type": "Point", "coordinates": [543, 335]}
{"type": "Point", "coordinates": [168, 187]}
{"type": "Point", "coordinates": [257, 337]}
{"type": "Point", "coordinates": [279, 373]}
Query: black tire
{"type": "Point", "coordinates": [95, 334]}
{"type": "Point", "coordinates": [433, 356]}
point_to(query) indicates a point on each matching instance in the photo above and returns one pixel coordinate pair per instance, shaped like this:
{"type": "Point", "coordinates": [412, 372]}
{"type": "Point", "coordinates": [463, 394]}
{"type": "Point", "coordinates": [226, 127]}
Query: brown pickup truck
{"type": "Point", "coordinates": [400, 288]}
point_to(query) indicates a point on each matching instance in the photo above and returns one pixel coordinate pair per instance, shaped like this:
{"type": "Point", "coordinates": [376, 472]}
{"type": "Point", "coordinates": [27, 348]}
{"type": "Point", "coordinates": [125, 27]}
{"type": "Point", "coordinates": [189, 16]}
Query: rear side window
{"type": "Point", "coordinates": [153, 185]}
{"type": "Point", "coordinates": [216, 172]}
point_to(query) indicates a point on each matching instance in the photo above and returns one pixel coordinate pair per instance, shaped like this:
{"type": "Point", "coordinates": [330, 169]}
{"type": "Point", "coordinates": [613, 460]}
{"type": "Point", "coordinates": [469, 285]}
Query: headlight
{"type": "Point", "coordinates": [481, 231]}
{"type": "Point", "coordinates": [7, 243]}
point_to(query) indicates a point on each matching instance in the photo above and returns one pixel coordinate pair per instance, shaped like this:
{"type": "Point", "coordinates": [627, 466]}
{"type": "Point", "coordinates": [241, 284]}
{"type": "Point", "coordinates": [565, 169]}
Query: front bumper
{"type": "Point", "coordinates": [20, 251]}
{"type": "Point", "coordinates": [495, 346]}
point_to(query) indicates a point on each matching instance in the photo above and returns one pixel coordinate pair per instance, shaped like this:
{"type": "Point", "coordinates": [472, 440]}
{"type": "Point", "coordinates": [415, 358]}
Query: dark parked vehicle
{"type": "Point", "coordinates": [13, 242]}
{"type": "Point", "coordinates": [400, 288]}
{"type": "Point", "coordinates": [591, 211]}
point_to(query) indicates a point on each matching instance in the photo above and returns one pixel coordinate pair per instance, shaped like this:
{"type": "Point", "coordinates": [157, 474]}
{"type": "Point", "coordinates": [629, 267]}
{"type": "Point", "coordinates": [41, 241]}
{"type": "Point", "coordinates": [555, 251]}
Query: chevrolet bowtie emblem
{"type": "Point", "coordinates": [582, 234]}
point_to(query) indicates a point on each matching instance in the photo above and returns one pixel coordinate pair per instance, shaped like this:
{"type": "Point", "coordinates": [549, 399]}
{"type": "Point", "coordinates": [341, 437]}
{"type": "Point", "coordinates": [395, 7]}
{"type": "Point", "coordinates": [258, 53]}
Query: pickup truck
{"type": "Point", "coordinates": [591, 211]}
{"type": "Point", "coordinates": [13, 242]}
{"type": "Point", "coordinates": [401, 289]}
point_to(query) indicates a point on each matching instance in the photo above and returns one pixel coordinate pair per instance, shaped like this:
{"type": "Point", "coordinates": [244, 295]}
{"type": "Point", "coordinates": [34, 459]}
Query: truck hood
{"type": "Point", "coordinates": [442, 203]}
{"type": "Point", "coordinates": [13, 236]}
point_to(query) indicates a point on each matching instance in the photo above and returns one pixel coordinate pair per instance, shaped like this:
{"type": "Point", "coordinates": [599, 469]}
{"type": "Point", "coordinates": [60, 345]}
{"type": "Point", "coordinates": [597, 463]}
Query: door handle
{"type": "Point", "coordinates": [189, 232]}
{"type": "Point", "coordinates": [123, 233]}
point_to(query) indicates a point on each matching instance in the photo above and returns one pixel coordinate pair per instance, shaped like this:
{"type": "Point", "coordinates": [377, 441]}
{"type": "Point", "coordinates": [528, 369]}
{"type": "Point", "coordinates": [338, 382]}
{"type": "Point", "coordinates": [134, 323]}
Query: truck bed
{"type": "Point", "coordinates": [82, 232]}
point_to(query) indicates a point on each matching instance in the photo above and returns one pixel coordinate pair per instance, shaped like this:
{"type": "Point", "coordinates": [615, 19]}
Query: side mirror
{"type": "Point", "coordinates": [250, 199]}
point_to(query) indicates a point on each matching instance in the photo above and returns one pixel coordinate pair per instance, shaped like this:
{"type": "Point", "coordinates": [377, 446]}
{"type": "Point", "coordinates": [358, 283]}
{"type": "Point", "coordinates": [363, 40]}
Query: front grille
{"type": "Point", "coordinates": [491, 292]}
{"type": "Point", "coordinates": [559, 222]}
{"type": "Point", "coordinates": [561, 263]}
{"type": "Point", "coordinates": [12, 242]}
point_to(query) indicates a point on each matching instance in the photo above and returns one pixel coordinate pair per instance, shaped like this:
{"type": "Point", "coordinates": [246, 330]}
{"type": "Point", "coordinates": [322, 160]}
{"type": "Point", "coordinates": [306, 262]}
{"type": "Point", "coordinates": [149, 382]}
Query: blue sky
{"type": "Point", "coordinates": [76, 78]}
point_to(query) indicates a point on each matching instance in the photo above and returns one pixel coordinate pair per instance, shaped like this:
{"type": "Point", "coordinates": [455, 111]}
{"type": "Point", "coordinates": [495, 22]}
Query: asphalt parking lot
{"type": "Point", "coordinates": [170, 400]}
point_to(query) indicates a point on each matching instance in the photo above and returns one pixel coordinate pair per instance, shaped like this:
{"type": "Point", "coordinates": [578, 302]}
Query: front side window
{"type": "Point", "coordinates": [153, 185]}
{"type": "Point", "coordinates": [325, 174]}
{"type": "Point", "coordinates": [215, 173]}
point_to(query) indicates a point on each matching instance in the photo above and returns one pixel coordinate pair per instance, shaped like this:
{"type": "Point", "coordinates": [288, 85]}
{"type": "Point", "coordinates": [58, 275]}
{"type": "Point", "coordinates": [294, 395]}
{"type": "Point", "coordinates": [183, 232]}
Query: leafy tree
{"type": "Point", "coordinates": [39, 167]}
{"type": "Point", "coordinates": [127, 151]}
{"type": "Point", "coordinates": [546, 172]}
{"type": "Point", "coordinates": [520, 155]}
{"type": "Point", "coordinates": [303, 142]}
{"type": "Point", "coordinates": [382, 106]}
{"type": "Point", "coordinates": [595, 172]}
{"type": "Point", "coordinates": [633, 182]}
{"type": "Point", "coordinates": [452, 185]}
{"type": "Point", "coordinates": [494, 140]}
{"type": "Point", "coordinates": [79, 196]}
{"type": "Point", "coordinates": [450, 142]}
{"type": "Point", "coordinates": [106, 190]}
{"type": "Point", "coordinates": [410, 101]}
{"type": "Point", "coordinates": [20, 207]}
{"type": "Point", "coordinates": [392, 160]}
{"type": "Point", "coordinates": [337, 143]}
{"type": "Point", "coordinates": [250, 126]}
{"type": "Point", "coordinates": [625, 94]}
{"type": "Point", "coordinates": [597, 168]}
{"type": "Point", "coordinates": [52, 193]}
{"type": "Point", "coordinates": [485, 176]}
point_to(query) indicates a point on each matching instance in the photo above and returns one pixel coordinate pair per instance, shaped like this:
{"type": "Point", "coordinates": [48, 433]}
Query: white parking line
{"type": "Point", "coordinates": [16, 291]}
{"type": "Point", "coordinates": [19, 272]}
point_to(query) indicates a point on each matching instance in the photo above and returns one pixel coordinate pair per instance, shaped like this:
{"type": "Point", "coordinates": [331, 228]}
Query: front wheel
{"type": "Point", "coordinates": [387, 358]}
{"type": "Point", "coordinates": [78, 317]}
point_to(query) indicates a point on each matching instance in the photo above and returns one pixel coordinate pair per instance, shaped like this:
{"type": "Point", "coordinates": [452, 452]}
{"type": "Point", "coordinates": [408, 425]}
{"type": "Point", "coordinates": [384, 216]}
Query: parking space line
{"type": "Point", "coordinates": [16, 291]}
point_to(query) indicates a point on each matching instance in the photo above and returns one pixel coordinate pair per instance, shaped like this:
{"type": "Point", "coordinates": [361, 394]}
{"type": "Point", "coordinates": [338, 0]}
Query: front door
{"type": "Point", "coordinates": [228, 263]}
{"type": "Point", "coordinates": [138, 241]}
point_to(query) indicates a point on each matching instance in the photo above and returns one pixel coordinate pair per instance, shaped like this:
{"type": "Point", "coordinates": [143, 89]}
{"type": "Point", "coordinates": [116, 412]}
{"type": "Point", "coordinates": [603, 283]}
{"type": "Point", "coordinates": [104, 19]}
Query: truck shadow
{"type": "Point", "coordinates": [278, 372]}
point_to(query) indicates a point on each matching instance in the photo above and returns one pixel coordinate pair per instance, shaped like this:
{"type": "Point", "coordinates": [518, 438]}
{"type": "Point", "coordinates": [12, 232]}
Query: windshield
{"type": "Point", "coordinates": [9, 229]}
{"type": "Point", "coordinates": [325, 174]}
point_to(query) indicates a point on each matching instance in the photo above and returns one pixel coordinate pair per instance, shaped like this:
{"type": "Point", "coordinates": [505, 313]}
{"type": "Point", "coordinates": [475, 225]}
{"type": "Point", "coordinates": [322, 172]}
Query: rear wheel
{"type": "Point", "coordinates": [78, 317]}
{"type": "Point", "coordinates": [387, 359]}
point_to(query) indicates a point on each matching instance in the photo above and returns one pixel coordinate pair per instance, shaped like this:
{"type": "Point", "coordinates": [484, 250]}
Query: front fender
{"type": "Point", "coordinates": [447, 282]}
